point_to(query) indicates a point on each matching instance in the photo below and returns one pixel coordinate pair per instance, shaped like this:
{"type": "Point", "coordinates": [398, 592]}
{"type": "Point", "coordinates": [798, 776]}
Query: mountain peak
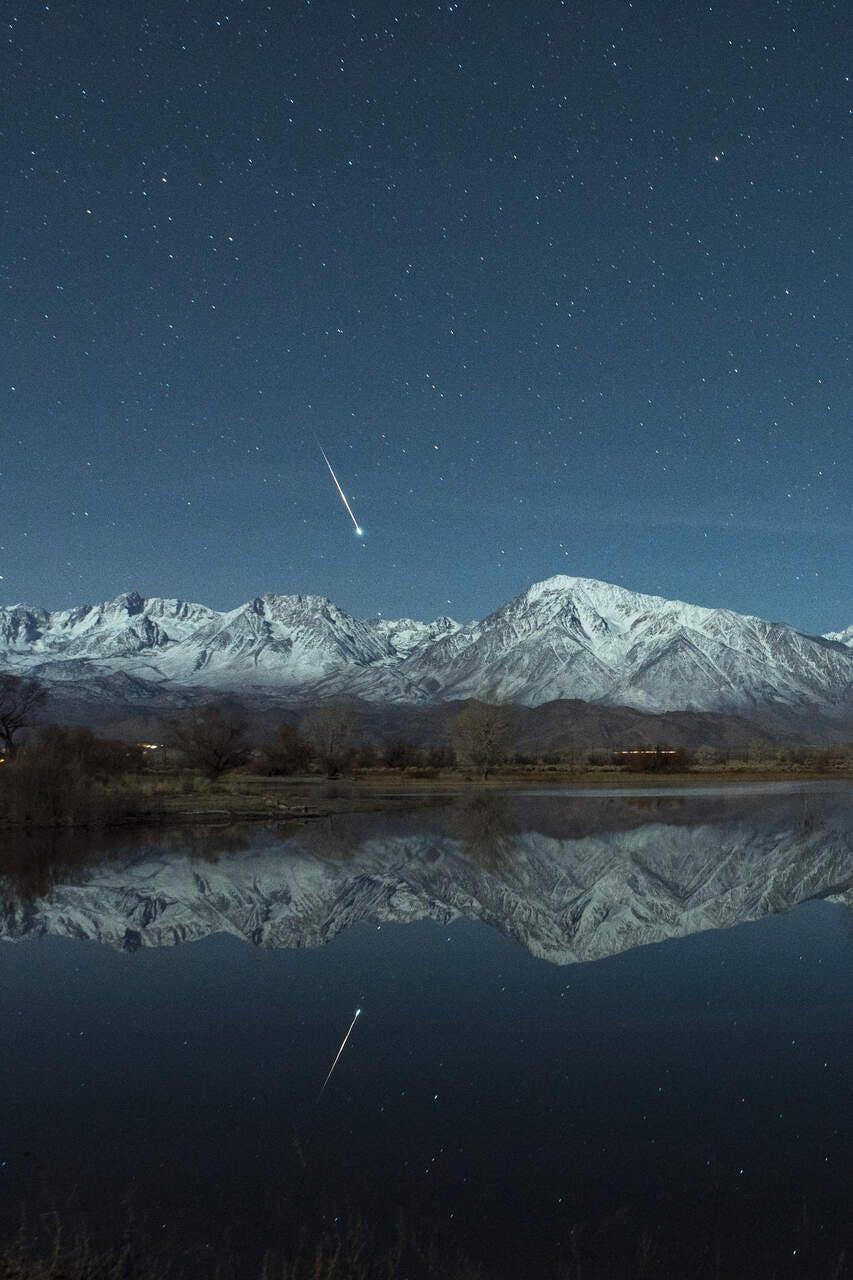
{"type": "Point", "coordinates": [596, 589]}
{"type": "Point", "coordinates": [130, 601]}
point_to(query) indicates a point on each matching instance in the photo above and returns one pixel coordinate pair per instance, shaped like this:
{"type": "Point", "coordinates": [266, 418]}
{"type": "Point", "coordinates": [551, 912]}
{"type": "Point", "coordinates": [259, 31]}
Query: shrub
{"type": "Point", "coordinates": [43, 790]}
{"type": "Point", "coordinates": [366, 756]}
{"type": "Point", "coordinates": [399, 754]}
{"type": "Point", "coordinates": [441, 757]}
{"type": "Point", "coordinates": [95, 757]}
{"type": "Point", "coordinates": [289, 752]}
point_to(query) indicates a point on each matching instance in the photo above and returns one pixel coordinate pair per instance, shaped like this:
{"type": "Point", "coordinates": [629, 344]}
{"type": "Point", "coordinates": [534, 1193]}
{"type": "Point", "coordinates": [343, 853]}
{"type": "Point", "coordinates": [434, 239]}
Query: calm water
{"type": "Point", "coordinates": [588, 1022]}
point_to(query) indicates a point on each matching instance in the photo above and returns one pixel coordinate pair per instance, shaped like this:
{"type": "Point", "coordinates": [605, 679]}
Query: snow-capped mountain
{"type": "Point", "coordinates": [562, 638]}
{"type": "Point", "coordinates": [575, 637]}
{"type": "Point", "coordinates": [120, 628]}
{"type": "Point", "coordinates": [286, 641]}
{"type": "Point", "coordinates": [568, 881]}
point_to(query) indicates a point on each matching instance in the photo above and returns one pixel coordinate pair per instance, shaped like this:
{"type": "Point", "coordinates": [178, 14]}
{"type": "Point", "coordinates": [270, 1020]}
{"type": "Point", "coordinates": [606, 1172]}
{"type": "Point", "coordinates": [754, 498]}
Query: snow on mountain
{"type": "Point", "coordinates": [566, 895]}
{"type": "Point", "coordinates": [562, 638]}
{"type": "Point", "coordinates": [119, 628]}
{"type": "Point", "coordinates": [290, 640]}
{"type": "Point", "coordinates": [404, 635]}
{"type": "Point", "coordinates": [576, 637]}
{"type": "Point", "coordinates": [841, 637]}
{"type": "Point", "coordinates": [286, 640]}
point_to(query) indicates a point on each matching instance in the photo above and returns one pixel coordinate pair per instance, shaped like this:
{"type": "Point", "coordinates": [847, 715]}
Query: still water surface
{"type": "Point", "coordinates": [593, 1027]}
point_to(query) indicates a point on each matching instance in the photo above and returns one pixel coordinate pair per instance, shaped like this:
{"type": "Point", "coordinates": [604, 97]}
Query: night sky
{"type": "Point", "coordinates": [560, 288]}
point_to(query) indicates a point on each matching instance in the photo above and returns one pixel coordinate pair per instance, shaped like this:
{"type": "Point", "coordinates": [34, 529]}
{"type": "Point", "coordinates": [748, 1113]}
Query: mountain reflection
{"type": "Point", "coordinates": [570, 878]}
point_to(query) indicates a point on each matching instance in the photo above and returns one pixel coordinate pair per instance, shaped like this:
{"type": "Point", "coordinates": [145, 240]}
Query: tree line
{"type": "Point", "coordinates": [332, 739]}
{"type": "Point", "coordinates": [213, 740]}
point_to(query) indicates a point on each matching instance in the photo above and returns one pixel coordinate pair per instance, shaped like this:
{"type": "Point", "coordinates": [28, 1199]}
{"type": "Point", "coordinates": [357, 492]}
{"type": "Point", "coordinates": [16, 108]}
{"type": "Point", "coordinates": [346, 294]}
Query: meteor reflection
{"type": "Point", "coordinates": [338, 1054]}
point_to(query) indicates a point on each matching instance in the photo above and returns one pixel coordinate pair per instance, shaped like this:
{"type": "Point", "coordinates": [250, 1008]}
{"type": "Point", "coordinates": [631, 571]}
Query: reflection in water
{"type": "Point", "coordinates": [683, 1108]}
{"type": "Point", "coordinates": [570, 879]}
{"type": "Point", "coordinates": [31, 863]}
{"type": "Point", "coordinates": [486, 827]}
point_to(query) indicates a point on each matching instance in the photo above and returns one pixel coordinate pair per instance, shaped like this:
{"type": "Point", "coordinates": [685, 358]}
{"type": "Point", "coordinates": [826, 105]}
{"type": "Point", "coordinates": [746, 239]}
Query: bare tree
{"type": "Point", "coordinates": [289, 752]}
{"type": "Point", "coordinates": [574, 759]}
{"type": "Point", "coordinates": [210, 741]}
{"type": "Point", "coordinates": [20, 702]}
{"type": "Point", "coordinates": [482, 735]}
{"type": "Point", "coordinates": [334, 733]}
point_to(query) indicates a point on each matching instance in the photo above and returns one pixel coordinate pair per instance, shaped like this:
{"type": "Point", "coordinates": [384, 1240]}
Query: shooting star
{"type": "Point", "coordinates": [343, 1046]}
{"type": "Point", "coordinates": [358, 529]}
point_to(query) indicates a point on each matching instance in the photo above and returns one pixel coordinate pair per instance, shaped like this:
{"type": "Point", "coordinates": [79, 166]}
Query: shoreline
{"type": "Point", "coordinates": [165, 800]}
{"type": "Point", "coordinates": [306, 799]}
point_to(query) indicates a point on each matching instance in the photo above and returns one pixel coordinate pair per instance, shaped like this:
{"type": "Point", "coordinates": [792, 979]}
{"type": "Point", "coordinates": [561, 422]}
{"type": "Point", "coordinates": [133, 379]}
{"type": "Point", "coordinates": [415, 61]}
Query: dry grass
{"type": "Point", "coordinates": [74, 1258]}
{"type": "Point", "coordinates": [347, 1253]}
{"type": "Point", "coordinates": [350, 1253]}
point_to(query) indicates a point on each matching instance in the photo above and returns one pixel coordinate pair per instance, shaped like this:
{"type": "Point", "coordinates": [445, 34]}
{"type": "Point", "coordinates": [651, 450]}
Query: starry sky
{"type": "Point", "coordinates": [559, 287]}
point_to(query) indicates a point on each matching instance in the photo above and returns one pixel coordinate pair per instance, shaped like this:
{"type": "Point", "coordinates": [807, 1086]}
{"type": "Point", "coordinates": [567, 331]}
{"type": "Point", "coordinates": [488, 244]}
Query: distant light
{"type": "Point", "coordinates": [359, 532]}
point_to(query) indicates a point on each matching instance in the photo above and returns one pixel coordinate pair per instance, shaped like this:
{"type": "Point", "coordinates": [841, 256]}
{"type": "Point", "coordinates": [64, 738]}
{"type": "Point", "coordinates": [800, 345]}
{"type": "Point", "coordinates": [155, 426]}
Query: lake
{"type": "Point", "coordinates": [599, 1033]}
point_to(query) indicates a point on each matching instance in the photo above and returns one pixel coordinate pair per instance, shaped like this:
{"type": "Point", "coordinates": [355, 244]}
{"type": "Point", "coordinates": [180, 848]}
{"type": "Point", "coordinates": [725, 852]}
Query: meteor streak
{"type": "Point", "coordinates": [358, 529]}
{"type": "Point", "coordinates": [348, 1034]}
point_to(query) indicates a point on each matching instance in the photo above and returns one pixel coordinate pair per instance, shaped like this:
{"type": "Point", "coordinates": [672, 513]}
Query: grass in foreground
{"type": "Point", "coordinates": [350, 1255]}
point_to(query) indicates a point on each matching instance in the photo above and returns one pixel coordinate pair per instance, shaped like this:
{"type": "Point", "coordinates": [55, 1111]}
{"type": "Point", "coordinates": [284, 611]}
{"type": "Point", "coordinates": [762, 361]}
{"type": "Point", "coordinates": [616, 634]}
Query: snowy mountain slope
{"type": "Point", "coordinates": [289, 639]}
{"type": "Point", "coordinates": [841, 637]}
{"type": "Point", "coordinates": [404, 635]}
{"type": "Point", "coordinates": [120, 628]}
{"type": "Point", "coordinates": [575, 637]}
{"type": "Point", "coordinates": [564, 896]}
{"type": "Point", "coordinates": [564, 638]}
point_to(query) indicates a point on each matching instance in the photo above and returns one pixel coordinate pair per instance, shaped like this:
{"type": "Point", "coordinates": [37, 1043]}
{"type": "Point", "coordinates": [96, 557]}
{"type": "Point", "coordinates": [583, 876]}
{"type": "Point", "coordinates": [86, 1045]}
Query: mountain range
{"type": "Point", "coordinates": [564, 638]}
